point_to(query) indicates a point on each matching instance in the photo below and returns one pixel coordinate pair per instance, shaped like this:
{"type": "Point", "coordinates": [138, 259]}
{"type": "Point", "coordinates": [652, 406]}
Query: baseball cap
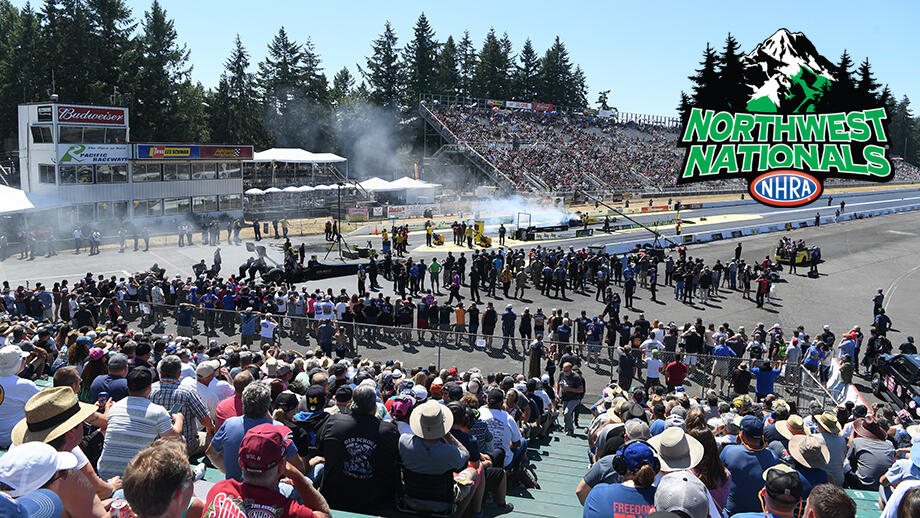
{"type": "Point", "coordinates": [637, 454]}
{"type": "Point", "coordinates": [314, 398]}
{"type": "Point", "coordinates": [783, 483]}
{"type": "Point", "coordinates": [637, 429]}
{"type": "Point", "coordinates": [11, 358]}
{"type": "Point", "coordinates": [496, 394]}
{"type": "Point", "coordinates": [344, 394]}
{"type": "Point", "coordinates": [682, 492]}
{"type": "Point", "coordinates": [287, 400]}
{"type": "Point", "coordinates": [28, 466]}
{"type": "Point", "coordinates": [37, 504]}
{"type": "Point", "coordinates": [675, 421]}
{"type": "Point", "coordinates": [263, 447]}
{"type": "Point", "coordinates": [751, 427]}
{"type": "Point", "coordinates": [401, 406]}
{"type": "Point", "coordinates": [118, 362]}
{"type": "Point", "coordinates": [207, 368]}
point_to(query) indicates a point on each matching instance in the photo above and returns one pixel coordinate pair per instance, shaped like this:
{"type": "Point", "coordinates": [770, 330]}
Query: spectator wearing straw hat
{"type": "Point", "coordinates": [55, 417]}
{"type": "Point", "coordinates": [829, 429]}
{"type": "Point", "coordinates": [810, 456]}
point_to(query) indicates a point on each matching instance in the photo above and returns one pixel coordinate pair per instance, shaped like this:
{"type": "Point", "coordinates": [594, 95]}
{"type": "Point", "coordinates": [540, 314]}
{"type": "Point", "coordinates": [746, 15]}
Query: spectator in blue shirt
{"type": "Point", "coordinates": [635, 496]}
{"type": "Point", "coordinates": [765, 375]}
{"type": "Point", "coordinates": [249, 323]}
{"type": "Point", "coordinates": [747, 461]}
{"type": "Point", "coordinates": [721, 368]}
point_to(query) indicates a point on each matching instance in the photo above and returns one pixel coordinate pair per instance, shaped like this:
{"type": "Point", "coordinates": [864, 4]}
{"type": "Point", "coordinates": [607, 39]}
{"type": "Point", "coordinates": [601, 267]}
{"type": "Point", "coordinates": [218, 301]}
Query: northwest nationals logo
{"type": "Point", "coordinates": [776, 118]}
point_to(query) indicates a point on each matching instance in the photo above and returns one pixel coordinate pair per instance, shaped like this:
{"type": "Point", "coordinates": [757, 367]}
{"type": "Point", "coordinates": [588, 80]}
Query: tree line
{"type": "Point", "coordinates": [97, 52]}
{"type": "Point", "coordinates": [719, 80]}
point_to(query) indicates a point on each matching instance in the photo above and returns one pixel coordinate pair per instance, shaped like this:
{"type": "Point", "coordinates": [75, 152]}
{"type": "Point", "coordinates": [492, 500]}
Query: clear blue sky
{"type": "Point", "coordinates": [642, 51]}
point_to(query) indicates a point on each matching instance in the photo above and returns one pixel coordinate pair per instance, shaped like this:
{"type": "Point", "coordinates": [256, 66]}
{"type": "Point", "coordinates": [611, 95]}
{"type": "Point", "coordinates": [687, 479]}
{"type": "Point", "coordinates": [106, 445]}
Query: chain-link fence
{"type": "Point", "coordinates": [483, 347]}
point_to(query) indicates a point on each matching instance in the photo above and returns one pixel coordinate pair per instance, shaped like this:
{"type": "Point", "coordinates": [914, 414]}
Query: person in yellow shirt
{"type": "Point", "coordinates": [429, 230]}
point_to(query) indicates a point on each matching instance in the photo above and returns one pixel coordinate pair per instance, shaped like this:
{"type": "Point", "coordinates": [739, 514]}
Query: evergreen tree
{"type": "Point", "coordinates": [448, 75]}
{"type": "Point", "coordinates": [21, 71]}
{"type": "Point", "coordinates": [191, 114]}
{"type": "Point", "coordinates": [841, 94]}
{"type": "Point", "coordinates": [686, 103]}
{"type": "Point", "coordinates": [110, 41]}
{"type": "Point", "coordinates": [602, 99]}
{"type": "Point", "coordinates": [706, 92]}
{"type": "Point", "coordinates": [468, 61]}
{"type": "Point", "coordinates": [383, 75]}
{"type": "Point", "coordinates": [527, 74]}
{"type": "Point", "coordinates": [507, 64]}
{"type": "Point", "coordinates": [243, 122]}
{"type": "Point", "coordinates": [491, 79]}
{"type": "Point", "coordinates": [343, 85]}
{"type": "Point", "coordinates": [578, 96]}
{"type": "Point", "coordinates": [731, 76]}
{"type": "Point", "coordinates": [281, 81]}
{"type": "Point", "coordinates": [162, 66]}
{"type": "Point", "coordinates": [315, 84]}
{"type": "Point", "coordinates": [420, 58]}
{"type": "Point", "coordinates": [556, 85]}
{"type": "Point", "coordinates": [73, 62]}
{"type": "Point", "coordinates": [867, 86]}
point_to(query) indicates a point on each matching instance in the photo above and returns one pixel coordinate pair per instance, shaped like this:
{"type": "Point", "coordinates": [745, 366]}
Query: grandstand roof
{"type": "Point", "coordinates": [16, 200]}
{"type": "Point", "coordinates": [289, 154]}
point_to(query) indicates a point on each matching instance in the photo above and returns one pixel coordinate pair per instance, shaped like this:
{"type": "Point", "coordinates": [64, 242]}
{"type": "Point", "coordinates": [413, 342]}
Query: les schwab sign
{"type": "Point", "coordinates": [91, 115]}
{"type": "Point", "coordinates": [191, 151]}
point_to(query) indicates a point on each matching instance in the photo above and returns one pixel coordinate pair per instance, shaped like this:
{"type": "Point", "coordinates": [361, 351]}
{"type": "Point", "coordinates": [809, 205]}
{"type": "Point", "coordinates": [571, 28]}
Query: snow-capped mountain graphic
{"type": "Point", "coordinates": [785, 73]}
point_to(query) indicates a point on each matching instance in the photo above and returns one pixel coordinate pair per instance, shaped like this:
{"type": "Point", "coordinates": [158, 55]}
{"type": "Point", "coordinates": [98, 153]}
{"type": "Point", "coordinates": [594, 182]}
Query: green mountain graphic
{"type": "Point", "coordinates": [785, 73]}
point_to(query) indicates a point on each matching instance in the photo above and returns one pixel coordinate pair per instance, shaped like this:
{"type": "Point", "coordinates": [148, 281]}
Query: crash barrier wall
{"type": "Point", "coordinates": [751, 201]}
{"type": "Point", "coordinates": [495, 350]}
{"type": "Point", "coordinates": [688, 238]}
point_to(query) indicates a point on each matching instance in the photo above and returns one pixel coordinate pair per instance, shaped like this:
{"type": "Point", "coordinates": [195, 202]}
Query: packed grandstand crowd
{"type": "Point", "coordinates": [136, 414]}
{"type": "Point", "coordinates": [576, 151]}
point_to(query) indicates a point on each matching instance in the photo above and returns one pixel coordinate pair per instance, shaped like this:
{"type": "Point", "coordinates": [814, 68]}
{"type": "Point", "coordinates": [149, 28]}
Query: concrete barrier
{"type": "Point", "coordinates": [752, 230]}
{"type": "Point", "coordinates": [841, 195]}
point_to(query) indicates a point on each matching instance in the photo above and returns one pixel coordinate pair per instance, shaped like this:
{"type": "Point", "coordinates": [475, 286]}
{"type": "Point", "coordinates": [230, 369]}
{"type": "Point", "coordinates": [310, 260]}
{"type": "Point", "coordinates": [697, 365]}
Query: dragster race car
{"type": "Point", "coordinates": [802, 256]}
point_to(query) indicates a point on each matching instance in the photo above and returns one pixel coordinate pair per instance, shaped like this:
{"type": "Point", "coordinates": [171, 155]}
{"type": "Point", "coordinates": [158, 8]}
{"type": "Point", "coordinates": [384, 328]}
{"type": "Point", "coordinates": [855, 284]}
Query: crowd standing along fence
{"type": "Point", "coordinates": [496, 352]}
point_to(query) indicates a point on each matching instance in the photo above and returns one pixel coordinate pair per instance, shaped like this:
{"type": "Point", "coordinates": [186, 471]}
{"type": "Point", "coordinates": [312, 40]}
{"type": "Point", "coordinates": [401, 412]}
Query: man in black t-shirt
{"type": "Point", "coordinates": [571, 389]}
{"type": "Point", "coordinates": [360, 452]}
{"type": "Point", "coordinates": [741, 380]}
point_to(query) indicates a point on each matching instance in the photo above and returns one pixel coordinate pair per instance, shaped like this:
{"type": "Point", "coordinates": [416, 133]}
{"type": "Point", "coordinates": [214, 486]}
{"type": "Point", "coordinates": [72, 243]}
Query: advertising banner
{"type": "Point", "coordinates": [607, 113]}
{"type": "Point", "coordinates": [357, 214]}
{"type": "Point", "coordinates": [226, 152]}
{"type": "Point", "coordinates": [590, 111]}
{"type": "Point", "coordinates": [73, 154]}
{"type": "Point", "coordinates": [543, 107]}
{"type": "Point", "coordinates": [495, 102]}
{"type": "Point", "coordinates": [191, 151]}
{"type": "Point", "coordinates": [154, 151]}
{"type": "Point", "coordinates": [86, 115]}
{"type": "Point", "coordinates": [517, 104]}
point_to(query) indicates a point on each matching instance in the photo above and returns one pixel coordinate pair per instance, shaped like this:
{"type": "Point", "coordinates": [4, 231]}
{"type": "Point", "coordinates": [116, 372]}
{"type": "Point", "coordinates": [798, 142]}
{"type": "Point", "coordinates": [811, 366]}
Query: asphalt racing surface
{"type": "Point", "coordinates": [859, 257]}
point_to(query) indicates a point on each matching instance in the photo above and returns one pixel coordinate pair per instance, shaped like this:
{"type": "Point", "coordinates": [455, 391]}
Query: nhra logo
{"type": "Point", "coordinates": [785, 188]}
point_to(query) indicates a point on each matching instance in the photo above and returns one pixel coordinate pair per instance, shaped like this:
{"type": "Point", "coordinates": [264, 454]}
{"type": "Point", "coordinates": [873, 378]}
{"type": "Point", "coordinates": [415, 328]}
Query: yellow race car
{"type": "Point", "coordinates": [801, 256]}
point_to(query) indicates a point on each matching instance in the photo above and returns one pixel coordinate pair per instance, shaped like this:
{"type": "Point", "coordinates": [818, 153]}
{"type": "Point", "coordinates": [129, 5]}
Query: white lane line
{"type": "Point", "coordinates": [893, 287]}
{"type": "Point", "coordinates": [900, 233]}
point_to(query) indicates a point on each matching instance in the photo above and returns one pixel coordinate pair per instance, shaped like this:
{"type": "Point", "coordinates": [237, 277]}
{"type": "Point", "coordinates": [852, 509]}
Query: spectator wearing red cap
{"type": "Point", "coordinates": [262, 462]}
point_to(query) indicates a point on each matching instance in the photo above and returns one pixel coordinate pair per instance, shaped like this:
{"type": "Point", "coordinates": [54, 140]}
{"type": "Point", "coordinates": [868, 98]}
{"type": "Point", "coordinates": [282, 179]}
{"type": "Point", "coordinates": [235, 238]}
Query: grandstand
{"type": "Point", "coordinates": [573, 150]}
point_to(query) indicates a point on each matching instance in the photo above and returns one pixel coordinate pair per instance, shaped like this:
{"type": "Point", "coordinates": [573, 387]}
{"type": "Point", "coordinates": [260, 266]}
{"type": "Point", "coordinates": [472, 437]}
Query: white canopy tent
{"type": "Point", "coordinates": [408, 189]}
{"type": "Point", "coordinates": [16, 200]}
{"type": "Point", "coordinates": [297, 155]}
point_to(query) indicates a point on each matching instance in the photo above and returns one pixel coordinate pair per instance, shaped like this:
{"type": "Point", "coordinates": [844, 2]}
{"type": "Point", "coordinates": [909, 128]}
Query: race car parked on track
{"type": "Point", "coordinates": [896, 378]}
{"type": "Point", "coordinates": [801, 256]}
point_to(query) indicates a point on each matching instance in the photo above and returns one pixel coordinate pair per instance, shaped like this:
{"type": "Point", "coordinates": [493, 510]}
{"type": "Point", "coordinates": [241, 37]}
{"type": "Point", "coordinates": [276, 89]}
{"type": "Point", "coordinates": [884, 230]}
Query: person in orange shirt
{"type": "Point", "coordinates": [460, 322]}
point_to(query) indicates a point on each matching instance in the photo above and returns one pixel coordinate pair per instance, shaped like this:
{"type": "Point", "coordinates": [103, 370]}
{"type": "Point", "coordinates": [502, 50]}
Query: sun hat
{"type": "Point", "coordinates": [791, 427]}
{"type": "Point", "coordinates": [810, 450]}
{"type": "Point", "coordinates": [29, 466]}
{"type": "Point", "coordinates": [263, 447]}
{"type": "Point", "coordinates": [677, 450]}
{"type": "Point", "coordinates": [682, 492]}
{"type": "Point", "coordinates": [207, 368]}
{"type": "Point", "coordinates": [828, 421]}
{"type": "Point", "coordinates": [431, 420]}
{"type": "Point", "coordinates": [37, 504]}
{"type": "Point", "coordinates": [11, 357]}
{"type": "Point", "coordinates": [732, 422]}
{"type": "Point", "coordinates": [50, 414]}
{"type": "Point", "coordinates": [869, 428]}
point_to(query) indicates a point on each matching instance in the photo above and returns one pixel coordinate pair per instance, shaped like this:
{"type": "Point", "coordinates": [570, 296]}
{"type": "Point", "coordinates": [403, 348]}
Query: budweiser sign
{"type": "Point", "coordinates": [85, 115]}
